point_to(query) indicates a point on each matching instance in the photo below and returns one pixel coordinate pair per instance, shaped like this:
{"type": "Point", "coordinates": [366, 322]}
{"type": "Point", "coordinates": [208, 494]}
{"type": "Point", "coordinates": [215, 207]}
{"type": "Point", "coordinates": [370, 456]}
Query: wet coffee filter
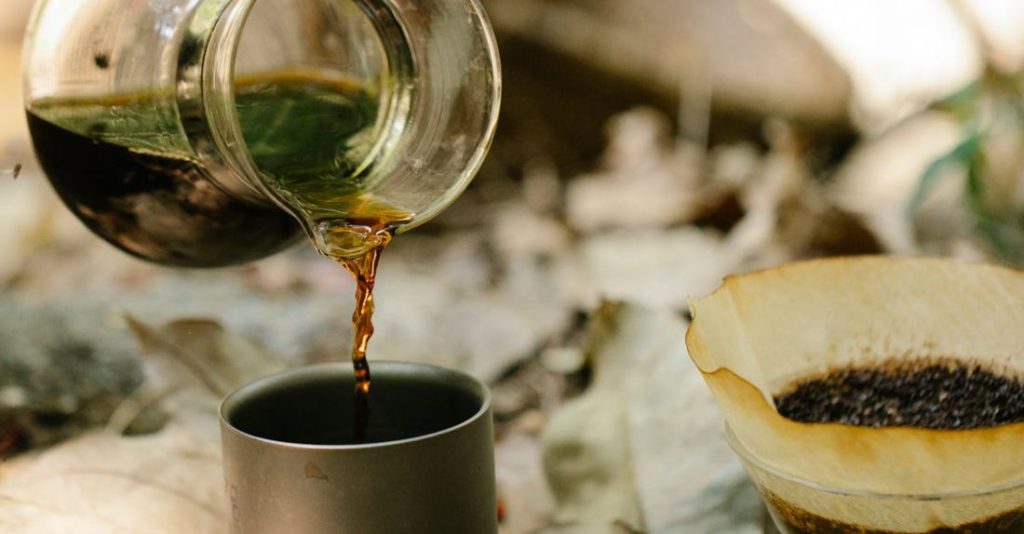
{"type": "Point", "coordinates": [872, 468]}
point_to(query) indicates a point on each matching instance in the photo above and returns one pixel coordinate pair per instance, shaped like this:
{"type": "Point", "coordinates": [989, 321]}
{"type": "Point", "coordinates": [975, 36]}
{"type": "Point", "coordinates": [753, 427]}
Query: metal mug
{"type": "Point", "coordinates": [427, 464]}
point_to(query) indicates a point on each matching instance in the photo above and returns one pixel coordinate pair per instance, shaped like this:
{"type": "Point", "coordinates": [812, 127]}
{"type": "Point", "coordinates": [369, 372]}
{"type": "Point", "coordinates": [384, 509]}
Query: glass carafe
{"type": "Point", "coordinates": [197, 132]}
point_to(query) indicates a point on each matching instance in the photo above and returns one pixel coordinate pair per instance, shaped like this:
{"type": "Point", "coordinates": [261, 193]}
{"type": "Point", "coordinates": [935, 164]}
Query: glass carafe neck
{"type": "Point", "coordinates": [431, 75]}
{"type": "Point", "coordinates": [208, 81]}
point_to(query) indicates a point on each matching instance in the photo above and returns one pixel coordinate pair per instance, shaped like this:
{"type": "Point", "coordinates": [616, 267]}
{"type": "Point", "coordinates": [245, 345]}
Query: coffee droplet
{"type": "Point", "coordinates": [314, 471]}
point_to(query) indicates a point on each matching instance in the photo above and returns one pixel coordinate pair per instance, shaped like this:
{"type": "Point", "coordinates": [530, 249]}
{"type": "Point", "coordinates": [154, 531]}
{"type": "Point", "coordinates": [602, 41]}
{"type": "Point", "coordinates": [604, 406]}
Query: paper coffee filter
{"type": "Point", "coordinates": [760, 333]}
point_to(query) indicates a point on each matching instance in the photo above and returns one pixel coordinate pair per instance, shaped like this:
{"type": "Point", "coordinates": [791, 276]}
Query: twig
{"type": "Point", "coordinates": [133, 406]}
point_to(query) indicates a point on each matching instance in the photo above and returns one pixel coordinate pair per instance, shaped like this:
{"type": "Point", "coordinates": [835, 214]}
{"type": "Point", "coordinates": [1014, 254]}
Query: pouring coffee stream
{"type": "Point", "coordinates": [212, 126]}
{"type": "Point", "coordinates": [364, 271]}
{"type": "Point", "coordinates": [276, 111]}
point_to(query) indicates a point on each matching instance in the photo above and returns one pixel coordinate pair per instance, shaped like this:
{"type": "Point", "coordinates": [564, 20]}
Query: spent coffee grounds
{"type": "Point", "coordinates": [936, 394]}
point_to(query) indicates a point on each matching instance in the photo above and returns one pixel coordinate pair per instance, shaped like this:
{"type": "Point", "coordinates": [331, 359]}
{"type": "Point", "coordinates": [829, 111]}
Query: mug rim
{"type": "Point", "coordinates": [253, 388]}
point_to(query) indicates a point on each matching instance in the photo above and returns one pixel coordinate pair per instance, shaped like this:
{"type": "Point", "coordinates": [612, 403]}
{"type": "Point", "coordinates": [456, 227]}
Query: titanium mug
{"type": "Point", "coordinates": [427, 464]}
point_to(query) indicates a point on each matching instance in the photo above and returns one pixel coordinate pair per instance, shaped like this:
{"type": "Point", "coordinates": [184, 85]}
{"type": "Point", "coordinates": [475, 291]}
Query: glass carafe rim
{"type": "Point", "coordinates": [216, 77]}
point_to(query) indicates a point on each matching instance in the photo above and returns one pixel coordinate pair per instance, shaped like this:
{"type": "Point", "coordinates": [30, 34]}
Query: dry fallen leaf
{"type": "Point", "coordinates": [879, 179]}
{"type": "Point", "coordinates": [218, 359]}
{"type": "Point", "coordinates": [521, 485]}
{"type": "Point", "coordinates": [646, 182]}
{"type": "Point", "coordinates": [166, 483]}
{"type": "Point", "coordinates": [586, 445]}
{"type": "Point", "coordinates": [655, 268]}
{"type": "Point", "coordinates": [643, 449]}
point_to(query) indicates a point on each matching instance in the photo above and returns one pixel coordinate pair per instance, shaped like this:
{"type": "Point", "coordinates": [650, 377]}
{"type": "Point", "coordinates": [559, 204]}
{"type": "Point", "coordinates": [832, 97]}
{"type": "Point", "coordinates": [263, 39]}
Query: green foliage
{"type": "Point", "coordinates": [995, 100]}
{"type": "Point", "coordinates": [965, 155]}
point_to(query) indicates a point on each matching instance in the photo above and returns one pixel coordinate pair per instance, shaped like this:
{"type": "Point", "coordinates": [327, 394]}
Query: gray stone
{"type": "Point", "coordinates": [750, 55]}
{"type": "Point", "coordinates": [63, 370]}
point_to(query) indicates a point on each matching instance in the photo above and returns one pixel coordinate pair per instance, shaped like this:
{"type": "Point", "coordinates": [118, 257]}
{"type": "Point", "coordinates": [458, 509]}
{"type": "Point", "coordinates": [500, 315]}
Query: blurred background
{"type": "Point", "coordinates": [647, 149]}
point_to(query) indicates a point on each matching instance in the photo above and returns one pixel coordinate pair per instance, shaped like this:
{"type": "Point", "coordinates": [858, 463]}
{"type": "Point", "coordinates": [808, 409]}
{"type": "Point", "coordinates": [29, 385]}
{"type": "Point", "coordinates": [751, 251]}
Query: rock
{"type": "Point", "coordinates": [63, 370]}
{"type": "Point", "coordinates": [167, 481]}
{"type": "Point", "coordinates": [804, 60]}
{"type": "Point", "coordinates": [879, 45]}
{"type": "Point", "coordinates": [752, 55]}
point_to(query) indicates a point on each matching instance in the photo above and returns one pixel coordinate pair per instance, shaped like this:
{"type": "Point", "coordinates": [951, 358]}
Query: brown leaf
{"type": "Point", "coordinates": [102, 483]}
{"type": "Point", "coordinates": [586, 446]}
{"type": "Point", "coordinates": [218, 359]}
{"type": "Point", "coordinates": [643, 450]}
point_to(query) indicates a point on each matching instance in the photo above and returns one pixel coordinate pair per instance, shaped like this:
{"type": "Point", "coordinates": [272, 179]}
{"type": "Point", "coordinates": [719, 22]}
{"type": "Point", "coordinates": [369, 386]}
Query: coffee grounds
{"type": "Point", "coordinates": [938, 395]}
